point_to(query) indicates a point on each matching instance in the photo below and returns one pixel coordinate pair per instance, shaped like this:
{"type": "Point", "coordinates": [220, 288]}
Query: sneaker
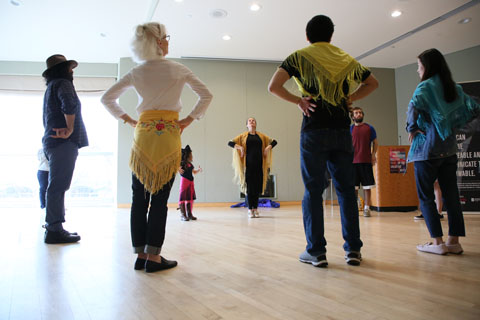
{"type": "Point", "coordinates": [454, 248]}
{"type": "Point", "coordinates": [419, 217]}
{"type": "Point", "coordinates": [353, 258]}
{"type": "Point", "coordinates": [255, 213]}
{"type": "Point", "coordinates": [366, 212]}
{"type": "Point", "coordinates": [251, 214]}
{"type": "Point", "coordinates": [320, 261]}
{"type": "Point", "coordinates": [54, 237]}
{"type": "Point", "coordinates": [433, 248]}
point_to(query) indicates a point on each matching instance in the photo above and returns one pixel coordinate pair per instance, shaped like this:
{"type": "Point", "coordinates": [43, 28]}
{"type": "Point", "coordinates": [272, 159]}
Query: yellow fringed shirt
{"type": "Point", "coordinates": [323, 69]}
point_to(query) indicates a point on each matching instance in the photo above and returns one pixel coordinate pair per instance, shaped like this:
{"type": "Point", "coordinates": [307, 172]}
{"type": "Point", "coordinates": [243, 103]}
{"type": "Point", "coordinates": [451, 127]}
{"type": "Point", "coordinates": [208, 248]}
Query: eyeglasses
{"type": "Point", "coordinates": [167, 37]}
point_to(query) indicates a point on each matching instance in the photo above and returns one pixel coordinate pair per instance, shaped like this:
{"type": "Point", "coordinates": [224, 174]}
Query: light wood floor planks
{"type": "Point", "coordinates": [232, 267]}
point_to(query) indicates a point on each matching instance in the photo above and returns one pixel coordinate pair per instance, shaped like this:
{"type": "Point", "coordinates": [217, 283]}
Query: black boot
{"type": "Point", "coordinates": [189, 212]}
{"type": "Point", "coordinates": [183, 216]}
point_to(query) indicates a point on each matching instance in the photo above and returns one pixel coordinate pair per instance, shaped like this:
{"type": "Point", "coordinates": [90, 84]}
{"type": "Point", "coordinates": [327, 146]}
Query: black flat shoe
{"type": "Point", "coordinates": [152, 266]}
{"type": "Point", "coordinates": [140, 264]}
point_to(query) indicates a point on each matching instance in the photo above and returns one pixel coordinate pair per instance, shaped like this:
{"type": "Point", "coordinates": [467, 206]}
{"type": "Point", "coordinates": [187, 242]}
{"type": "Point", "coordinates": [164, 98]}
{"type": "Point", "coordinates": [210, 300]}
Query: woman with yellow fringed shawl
{"type": "Point", "coordinates": [156, 150]}
{"type": "Point", "coordinates": [252, 158]}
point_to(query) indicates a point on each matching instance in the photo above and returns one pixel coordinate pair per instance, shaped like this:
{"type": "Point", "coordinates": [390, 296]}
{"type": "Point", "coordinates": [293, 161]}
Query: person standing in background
{"type": "Point", "coordinates": [252, 157]}
{"type": "Point", "coordinates": [187, 185]}
{"type": "Point", "coordinates": [365, 145]}
{"type": "Point", "coordinates": [42, 176]}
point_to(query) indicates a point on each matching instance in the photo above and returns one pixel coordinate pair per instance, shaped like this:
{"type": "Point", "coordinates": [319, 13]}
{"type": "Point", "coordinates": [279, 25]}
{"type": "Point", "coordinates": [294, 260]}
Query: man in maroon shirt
{"type": "Point", "coordinates": [365, 146]}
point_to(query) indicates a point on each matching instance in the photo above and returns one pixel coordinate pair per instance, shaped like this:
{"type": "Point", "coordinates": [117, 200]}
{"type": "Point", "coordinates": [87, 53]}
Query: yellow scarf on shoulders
{"type": "Point", "coordinates": [239, 163]}
{"type": "Point", "coordinates": [331, 67]}
{"type": "Point", "coordinates": [157, 149]}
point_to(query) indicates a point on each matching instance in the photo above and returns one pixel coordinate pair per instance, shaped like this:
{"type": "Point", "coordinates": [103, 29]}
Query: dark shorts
{"type": "Point", "coordinates": [363, 175]}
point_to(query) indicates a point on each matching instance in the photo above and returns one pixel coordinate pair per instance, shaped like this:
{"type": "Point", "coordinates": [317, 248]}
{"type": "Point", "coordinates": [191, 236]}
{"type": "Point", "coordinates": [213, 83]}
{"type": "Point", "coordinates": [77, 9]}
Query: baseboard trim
{"type": "Point", "coordinates": [228, 204]}
{"type": "Point", "coordinates": [397, 209]}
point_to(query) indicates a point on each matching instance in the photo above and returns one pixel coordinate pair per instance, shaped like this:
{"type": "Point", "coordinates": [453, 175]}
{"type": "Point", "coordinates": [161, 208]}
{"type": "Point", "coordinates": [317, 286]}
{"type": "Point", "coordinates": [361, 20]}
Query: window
{"type": "Point", "coordinates": [94, 180]}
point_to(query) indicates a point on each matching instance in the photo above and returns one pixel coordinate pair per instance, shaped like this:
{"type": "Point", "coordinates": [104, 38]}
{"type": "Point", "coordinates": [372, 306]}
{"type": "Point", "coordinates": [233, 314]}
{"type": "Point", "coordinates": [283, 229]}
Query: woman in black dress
{"type": "Point", "coordinates": [252, 157]}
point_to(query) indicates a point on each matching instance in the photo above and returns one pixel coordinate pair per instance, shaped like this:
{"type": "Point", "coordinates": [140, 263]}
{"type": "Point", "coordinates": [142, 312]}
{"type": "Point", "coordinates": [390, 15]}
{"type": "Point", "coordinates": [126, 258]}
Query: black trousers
{"type": "Point", "coordinates": [148, 217]}
{"type": "Point", "coordinates": [254, 182]}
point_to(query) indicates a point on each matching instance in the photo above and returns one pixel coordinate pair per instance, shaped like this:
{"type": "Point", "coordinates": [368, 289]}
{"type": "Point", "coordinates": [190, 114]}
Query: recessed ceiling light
{"type": "Point", "coordinates": [396, 13]}
{"type": "Point", "coordinates": [255, 7]}
{"type": "Point", "coordinates": [226, 37]}
{"type": "Point", "coordinates": [15, 2]}
{"type": "Point", "coordinates": [218, 13]}
{"type": "Point", "coordinates": [465, 20]}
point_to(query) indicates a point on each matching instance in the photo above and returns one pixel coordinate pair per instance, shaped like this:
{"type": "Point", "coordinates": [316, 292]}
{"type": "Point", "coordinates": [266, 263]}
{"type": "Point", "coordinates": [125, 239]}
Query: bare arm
{"type": "Point", "coordinates": [276, 87]}
{"type": "Point", "coordinates": [374, 151]}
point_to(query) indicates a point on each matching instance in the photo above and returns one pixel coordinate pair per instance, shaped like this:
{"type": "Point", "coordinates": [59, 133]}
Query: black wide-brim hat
{"type": "Point", "coordinates": [57, 60]}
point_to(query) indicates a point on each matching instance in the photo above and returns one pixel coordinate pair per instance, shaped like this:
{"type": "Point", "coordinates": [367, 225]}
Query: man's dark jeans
{"type": "Point", "coordinates": [321, 149]}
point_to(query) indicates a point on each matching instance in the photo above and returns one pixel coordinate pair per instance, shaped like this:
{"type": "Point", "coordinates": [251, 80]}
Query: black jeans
{"type": "Point", "coordinates": [445, 170]}
{"type": "Point", "coordinates": [148, 232]}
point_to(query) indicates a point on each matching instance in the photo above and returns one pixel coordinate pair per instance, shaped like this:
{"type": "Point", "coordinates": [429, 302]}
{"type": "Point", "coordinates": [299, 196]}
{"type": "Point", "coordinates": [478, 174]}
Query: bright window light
{"type": "Point", "coordinates": [93, 183]}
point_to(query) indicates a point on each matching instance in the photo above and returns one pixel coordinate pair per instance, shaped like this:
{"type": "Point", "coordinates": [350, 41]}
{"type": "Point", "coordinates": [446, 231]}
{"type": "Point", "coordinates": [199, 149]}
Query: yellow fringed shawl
{"type": "Point", "coordinates": [156, 150]}
{"type": "Point", "coordinates": [331, 67]}
{"type": "Point", "coordinates": [239, 163]}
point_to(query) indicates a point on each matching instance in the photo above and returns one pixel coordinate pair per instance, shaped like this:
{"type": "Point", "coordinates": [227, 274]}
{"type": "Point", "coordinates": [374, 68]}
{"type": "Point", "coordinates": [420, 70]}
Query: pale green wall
{"type": "Point", "coordinates": [380, 107]}
{"type": "Point", "coordinates": [464, 65]}
{"type": "Point", "coordinates": [240, 91]}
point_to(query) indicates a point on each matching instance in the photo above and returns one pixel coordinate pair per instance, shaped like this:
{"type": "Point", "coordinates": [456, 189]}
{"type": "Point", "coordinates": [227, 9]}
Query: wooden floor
{"type": "Point", "coordinates": [231, 267]}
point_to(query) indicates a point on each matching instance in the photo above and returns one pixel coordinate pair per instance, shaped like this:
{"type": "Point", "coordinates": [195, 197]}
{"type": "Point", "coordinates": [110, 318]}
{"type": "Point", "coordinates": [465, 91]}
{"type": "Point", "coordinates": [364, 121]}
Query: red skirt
{"type": "Point", "coordinates": [187, 190]}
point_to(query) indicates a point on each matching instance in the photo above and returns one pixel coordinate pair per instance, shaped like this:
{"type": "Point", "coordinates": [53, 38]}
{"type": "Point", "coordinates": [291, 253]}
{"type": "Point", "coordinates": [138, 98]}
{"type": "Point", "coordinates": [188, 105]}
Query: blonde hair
{"type": "Point", "coordinates": [144, 43]}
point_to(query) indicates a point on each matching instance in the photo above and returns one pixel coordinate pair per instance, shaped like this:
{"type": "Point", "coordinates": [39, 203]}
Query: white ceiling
{"type": "Point", "coordinates": [36, 29]}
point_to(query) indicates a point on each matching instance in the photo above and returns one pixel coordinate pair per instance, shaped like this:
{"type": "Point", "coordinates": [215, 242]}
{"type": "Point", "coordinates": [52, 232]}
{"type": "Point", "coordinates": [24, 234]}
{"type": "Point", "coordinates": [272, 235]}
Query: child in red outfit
{"type": "Point", "coordinates": [187, 187]}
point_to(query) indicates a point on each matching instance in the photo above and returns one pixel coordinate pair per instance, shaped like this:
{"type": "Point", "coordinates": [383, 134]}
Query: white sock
{"type": "Point", "coordinates": [366, 207]}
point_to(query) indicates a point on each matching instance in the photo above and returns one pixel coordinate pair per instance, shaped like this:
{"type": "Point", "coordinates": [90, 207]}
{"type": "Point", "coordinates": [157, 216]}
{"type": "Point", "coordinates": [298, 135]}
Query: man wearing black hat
{"type": "Point", "coordinates": [64, 134]}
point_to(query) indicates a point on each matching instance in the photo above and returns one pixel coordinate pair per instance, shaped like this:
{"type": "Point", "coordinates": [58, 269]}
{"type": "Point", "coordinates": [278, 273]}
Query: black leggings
{"type": "Point", "coordinates": [254, 189]}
